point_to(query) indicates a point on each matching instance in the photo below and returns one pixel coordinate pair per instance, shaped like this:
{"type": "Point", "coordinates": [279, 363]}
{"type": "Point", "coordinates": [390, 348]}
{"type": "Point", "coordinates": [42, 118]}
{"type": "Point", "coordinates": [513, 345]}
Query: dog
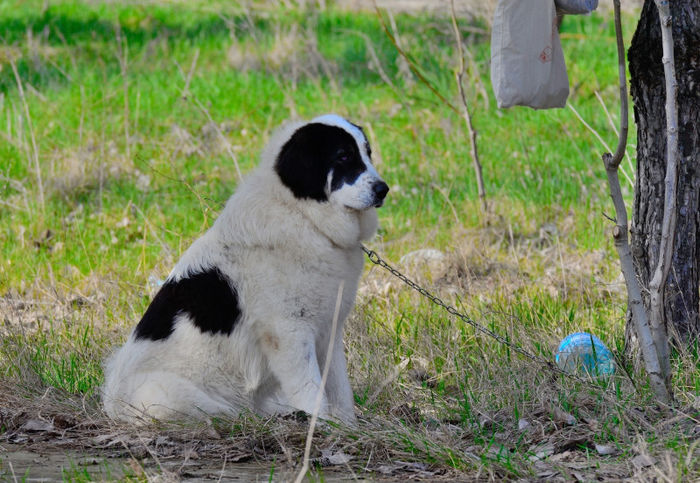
{"type": "Point", "coordinates": [244, 319]}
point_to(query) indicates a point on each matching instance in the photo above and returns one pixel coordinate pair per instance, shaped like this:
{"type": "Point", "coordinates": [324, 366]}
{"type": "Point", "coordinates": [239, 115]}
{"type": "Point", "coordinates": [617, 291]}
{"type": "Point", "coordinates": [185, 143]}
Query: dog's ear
{"type": "Point", "coordinates": [302, 163]}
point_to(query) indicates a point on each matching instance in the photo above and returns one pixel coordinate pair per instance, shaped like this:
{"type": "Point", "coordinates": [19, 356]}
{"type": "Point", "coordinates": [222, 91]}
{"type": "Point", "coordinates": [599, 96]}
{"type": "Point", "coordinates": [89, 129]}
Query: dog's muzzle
{"type": "Point", "coordinates": [380, 189]}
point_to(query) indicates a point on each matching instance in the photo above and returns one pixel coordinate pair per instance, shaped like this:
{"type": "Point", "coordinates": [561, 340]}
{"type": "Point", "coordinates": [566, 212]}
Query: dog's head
{"type": "Point", "coordinates": [328, 159]}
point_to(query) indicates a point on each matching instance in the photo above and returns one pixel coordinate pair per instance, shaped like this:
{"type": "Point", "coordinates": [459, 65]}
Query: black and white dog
{"type": "Point", "coordinates": [244, 319]}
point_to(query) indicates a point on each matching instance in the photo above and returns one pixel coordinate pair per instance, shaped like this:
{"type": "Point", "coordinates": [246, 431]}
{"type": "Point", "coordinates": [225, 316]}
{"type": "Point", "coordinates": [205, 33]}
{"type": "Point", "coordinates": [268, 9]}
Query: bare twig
{"type": "Point", "coordinates": [412, 65]}
{"type": "Point", "coordinates": [12, 471]}
{"type": "Point", "coordinates": [403, 68]}
{"type": "Point", "coordinates": [640, 317]}
{"type": "Point", "coordinates": [617, 133]}
{"type": "Point", "coordinates": [589, 127]}
{"type": "Point", "coordinates": [600, 138]}
{"type": "Point", "coordinates": [188, 79]}
{"type": "Point", "coordinates": [657, 284]}
{"type": "Point", "coordinates": [322, 387]}
{"type": "Point", "coordinates": [466, 114]}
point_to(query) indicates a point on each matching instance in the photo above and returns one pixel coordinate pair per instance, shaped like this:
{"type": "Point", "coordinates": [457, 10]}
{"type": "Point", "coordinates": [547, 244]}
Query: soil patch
{"type": "Point", "coordinates": [17, 462]}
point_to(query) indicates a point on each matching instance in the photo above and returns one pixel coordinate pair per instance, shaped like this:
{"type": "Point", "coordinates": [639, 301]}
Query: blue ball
{"type": "Point", "coordinates": [582, 352]}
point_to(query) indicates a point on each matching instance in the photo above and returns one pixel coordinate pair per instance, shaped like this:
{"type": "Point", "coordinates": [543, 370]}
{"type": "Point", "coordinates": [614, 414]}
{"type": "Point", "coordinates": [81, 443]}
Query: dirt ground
{"type": "Point", "coordinates": [39, 451]}
{"type": "Point", "coordinates": [17, 463]}
{"type": "Point", "coordinates": [56, 437]}
{"type": "Point", "coordinates": [46, 448]}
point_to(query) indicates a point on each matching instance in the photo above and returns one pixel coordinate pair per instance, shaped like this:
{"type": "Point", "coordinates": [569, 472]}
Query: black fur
{"type": "Point", "coordinates": [313, 150]}
{"type": "Point", "coordinates": [367, 148]}
{"type": "Point", "coordinates": [207, 297]}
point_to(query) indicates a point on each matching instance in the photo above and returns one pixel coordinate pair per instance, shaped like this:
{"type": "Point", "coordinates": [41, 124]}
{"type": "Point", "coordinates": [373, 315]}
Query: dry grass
{"type": "Point", "coordinates": [429, 405]}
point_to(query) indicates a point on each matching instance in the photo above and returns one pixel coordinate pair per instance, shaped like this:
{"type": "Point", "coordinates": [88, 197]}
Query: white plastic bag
{"type": "Point", "coordinates": [576, 6]}
{"type": "Point", "coordinates": [527, 62]}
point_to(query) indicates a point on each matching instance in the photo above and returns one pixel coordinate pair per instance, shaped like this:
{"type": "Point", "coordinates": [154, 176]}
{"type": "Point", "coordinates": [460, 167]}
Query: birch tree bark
{"type": "Point", "coordinates": [681, 294]}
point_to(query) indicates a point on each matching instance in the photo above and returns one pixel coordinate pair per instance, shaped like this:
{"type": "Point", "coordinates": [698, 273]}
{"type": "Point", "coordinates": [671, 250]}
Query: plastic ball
{"type": "Point", "coordinates": [582, 352]}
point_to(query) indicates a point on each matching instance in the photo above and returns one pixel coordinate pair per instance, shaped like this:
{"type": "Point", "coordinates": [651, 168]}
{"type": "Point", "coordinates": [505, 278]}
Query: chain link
{"type": "Point", "coordinates": [377, 260]}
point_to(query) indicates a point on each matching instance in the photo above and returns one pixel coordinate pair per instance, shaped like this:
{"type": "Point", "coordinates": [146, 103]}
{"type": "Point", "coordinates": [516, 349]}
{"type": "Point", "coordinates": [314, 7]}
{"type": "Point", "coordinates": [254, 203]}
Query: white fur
{"type": "Point", "coordinates": [359, 194]}
{"type": "Point", "coordinates": [286, 258]}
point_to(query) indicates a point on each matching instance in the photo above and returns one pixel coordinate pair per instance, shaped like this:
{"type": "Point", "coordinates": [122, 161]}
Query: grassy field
{"type": "Point", "coordinates": [125, 127]}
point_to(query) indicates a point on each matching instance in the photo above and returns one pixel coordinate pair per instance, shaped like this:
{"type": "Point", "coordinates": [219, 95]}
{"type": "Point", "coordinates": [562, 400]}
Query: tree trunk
{"type": "Point", "coordinates": [682, 296]}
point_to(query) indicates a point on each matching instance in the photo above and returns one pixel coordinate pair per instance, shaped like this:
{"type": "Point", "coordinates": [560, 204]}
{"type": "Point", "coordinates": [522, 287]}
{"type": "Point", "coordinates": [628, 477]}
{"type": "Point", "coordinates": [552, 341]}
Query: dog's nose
{"type": "Point", "coordinates": [380, 189]}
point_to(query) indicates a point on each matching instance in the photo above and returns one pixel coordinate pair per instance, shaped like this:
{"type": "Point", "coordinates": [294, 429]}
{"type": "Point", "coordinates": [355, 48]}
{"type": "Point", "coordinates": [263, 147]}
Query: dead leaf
{"type": "Point", "coordinates": [578, 476]}
{"type": "Point", "coordinates": [544, 470]}
{"type": "Point", "coordinates": [605, 449]}
{"type": "Point", "coordinates": [37, 425]}
{"type": "Point", "coordinates": [563, 456]}
{"type": "Point", "coordinates": [642, 461]}
{"type": "Point", "coordinates": [572, 443]}
{"type": "Point", "coordinates": [104, 437]}
{"type": "Point", "coordinates": [562, 416]}
{"type": "Point", "coordinates": [335, 458]}
{"type": "Point", "coordinates": [523, 424]}
{"type": "Point", "coordinates": [212, 433]}
{"type": "Point", "coordinates": [108, 440]}
{"type": "Point", "coordinates": [541, 451]}
{"type": "Point", "coordinates": [239, 457]}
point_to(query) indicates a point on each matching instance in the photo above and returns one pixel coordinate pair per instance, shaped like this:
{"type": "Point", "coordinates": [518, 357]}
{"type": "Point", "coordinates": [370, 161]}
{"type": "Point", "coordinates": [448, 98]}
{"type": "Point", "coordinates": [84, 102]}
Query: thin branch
{"type": "Point", "coordinates": [650, 354]}
{"type": "Point", "coordinates": [622, 74]}
{"type": "Point", "coordinates": [657, 284]}
{"type": "Point", "coordinates": [590, 128]}
{"type": "Point", "coordinates": [599, 137]}
{"type": "Point", "coordinates": [466, 114]}
{"type": "Point", "coordinates": [412, 65]}
{"type": "Point", "coordinates": [617, 133]}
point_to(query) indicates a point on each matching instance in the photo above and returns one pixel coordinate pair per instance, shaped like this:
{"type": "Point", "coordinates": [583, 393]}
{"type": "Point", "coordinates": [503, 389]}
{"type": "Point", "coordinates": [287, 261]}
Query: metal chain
{"type": "Point", "coordinates": [377, 260]}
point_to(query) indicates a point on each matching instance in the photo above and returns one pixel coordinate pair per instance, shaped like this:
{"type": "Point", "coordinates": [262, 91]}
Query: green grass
{"type": "Point", "coordinates": [120, 100]}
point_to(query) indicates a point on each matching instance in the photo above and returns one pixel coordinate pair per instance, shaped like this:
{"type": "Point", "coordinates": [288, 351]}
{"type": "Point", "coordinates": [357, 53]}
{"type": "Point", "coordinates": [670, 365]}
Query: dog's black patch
{"type": "Point", "coordinates": [311, 153]}
{"type": "Point", "coordinates": [207, 297]}
{"type": "Point", "coordinates": [366, 146]}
